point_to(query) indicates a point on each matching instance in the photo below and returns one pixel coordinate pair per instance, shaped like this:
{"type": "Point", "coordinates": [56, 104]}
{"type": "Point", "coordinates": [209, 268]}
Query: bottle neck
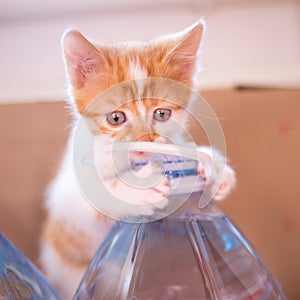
{"type": "Point", "coordinates": [191, 206]}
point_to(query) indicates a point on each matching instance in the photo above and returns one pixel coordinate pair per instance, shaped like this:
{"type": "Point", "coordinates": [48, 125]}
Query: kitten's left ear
{"type": "Point", "coordinates": [183, 54]}
{"type": "Point", "coordinates": [81, 57]}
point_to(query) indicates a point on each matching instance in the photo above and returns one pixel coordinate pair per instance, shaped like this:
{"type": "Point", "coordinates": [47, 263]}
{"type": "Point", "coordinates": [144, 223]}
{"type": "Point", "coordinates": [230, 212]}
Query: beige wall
{"type": "Point", "coordinates": [262, 130]}
{"type": "Point", "coordinates": [247, 42]}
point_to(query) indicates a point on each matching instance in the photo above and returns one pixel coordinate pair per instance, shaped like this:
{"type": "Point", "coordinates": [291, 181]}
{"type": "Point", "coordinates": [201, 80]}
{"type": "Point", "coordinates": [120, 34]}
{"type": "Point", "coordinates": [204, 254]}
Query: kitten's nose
{"type": "Point", "coordinates": [149, 137]}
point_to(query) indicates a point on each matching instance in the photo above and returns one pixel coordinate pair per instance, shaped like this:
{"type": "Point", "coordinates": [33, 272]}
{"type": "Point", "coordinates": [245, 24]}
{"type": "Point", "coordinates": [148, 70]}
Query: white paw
{"type": "Point", "coordinates": [204, 171]}
{"type": "Point", "coordinates": [146, 188]}
{"type": "Point", "coordinates": [148, 200]}
{"type": "Point", "coordinates": [153, 194]}
{"type": "Point", "coordinates": [162, 187]}
{"type": "Point", "coordinates": [155, 185]}
{"type": "Point", "coordinates": [220, 179]}
{"type": "Point", "coordinates": [228, 182]}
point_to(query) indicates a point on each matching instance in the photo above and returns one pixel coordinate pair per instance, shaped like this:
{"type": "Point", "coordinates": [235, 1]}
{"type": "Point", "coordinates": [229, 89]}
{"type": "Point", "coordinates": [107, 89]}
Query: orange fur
{"type": "Point", "coordinates": [68, 242]}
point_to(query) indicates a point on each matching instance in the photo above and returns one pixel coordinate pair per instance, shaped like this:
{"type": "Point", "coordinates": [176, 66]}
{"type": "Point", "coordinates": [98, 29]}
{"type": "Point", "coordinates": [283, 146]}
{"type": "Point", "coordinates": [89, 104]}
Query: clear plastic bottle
{"type": "Point", "coordinates": [191, 254]}
{"type": "Point", "coordinates": [19, 278]}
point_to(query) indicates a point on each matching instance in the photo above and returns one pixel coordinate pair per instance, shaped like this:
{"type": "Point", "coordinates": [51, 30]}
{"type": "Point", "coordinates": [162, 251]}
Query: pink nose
{"type": "Point", "coordinates": [149, 137]}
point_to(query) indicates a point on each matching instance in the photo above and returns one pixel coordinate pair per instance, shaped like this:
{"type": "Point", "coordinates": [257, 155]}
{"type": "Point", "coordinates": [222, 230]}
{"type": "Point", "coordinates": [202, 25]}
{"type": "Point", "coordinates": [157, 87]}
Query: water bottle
{"type": "Point", "coordinates": [19, 278]}
{"type": "Point", "coordinates": [194, 253]}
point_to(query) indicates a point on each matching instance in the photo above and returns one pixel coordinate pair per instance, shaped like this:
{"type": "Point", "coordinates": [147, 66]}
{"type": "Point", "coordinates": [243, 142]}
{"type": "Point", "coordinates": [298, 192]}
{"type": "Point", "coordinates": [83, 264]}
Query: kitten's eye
{"type": "Point", "coordinates": [162, 114]}
{"type": "Point", "coordinates": [116, 118]}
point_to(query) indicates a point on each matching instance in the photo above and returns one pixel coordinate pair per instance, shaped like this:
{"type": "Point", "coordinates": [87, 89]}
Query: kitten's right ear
{"type": "Point", "coordinates": [82, 59]}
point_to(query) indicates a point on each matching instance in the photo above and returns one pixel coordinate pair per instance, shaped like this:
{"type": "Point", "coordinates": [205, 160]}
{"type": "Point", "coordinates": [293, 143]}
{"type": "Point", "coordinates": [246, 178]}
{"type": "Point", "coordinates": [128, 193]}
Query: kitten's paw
{"type": "Point", "coordinates": [146, 188]}
{"type": "Point", "coordinates": [155, 195]}
{"type": "Point", "coordinates": [156, 189]}
{"type": "Point", "coordinates": [228, 182]}
{"type": "Point", "coordinates": [202, 172]}
{"type": "Point", "coordinates": [163, 187]}
{"type": "Point", "coordinates": [220, 178]}
{"type": "Point", "coordinates": [161, 204]}
{"type": "Point", "coordinates": [149, 188]}
{"type": "Point", "coordinates": [149, 199]}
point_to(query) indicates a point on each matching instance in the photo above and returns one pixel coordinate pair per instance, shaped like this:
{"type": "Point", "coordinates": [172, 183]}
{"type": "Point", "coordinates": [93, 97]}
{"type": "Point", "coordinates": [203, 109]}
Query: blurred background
{"type": "Point", "coordinates": [247, 42]}
{"type": "Point", "coordinates": [251, 78]}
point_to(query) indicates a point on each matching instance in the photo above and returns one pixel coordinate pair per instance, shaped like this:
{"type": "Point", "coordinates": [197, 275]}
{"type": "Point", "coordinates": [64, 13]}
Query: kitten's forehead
{"type": "Point", "coordinates": [139, 74]}
{"type": "Point", "coordinates": [140, 97]}
{"type": "Point", "coordinates": [144, 107]}
{"type": "Point", "coordinates": [136, 70]}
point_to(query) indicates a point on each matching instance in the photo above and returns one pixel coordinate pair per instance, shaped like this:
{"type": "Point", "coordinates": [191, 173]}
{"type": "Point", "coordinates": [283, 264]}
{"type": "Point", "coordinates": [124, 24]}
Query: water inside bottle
{"type": "Point", "coordinates": [183, 256]}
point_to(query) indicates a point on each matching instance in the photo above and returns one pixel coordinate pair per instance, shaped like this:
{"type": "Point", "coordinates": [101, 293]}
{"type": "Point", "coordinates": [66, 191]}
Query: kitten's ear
{"type": "Point", "coordinates": [184, 50]}
{"type": "Point", "coordinates": [81, 57]}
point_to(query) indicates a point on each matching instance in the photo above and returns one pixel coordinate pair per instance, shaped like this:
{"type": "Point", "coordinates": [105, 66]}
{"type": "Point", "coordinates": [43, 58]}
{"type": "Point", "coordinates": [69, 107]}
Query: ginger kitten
{"type": "Point", "coordinates": [74, 229]}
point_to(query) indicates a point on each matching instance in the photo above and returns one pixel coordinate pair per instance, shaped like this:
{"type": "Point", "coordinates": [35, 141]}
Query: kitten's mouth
{"type": "Point", "coordinates": [139, 154]}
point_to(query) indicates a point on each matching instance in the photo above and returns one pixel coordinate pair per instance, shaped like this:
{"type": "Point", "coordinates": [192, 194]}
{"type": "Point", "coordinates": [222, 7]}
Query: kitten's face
{"type": "Point", "coordinates": [136, 115]}
{"type": "Point", "coordinates": [150, 120]}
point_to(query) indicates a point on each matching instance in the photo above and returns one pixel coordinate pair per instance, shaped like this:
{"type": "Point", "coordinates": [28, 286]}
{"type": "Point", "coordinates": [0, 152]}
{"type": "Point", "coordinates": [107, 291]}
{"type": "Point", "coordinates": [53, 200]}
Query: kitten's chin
{"type": "Point", "coordinates": [133, 155]}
